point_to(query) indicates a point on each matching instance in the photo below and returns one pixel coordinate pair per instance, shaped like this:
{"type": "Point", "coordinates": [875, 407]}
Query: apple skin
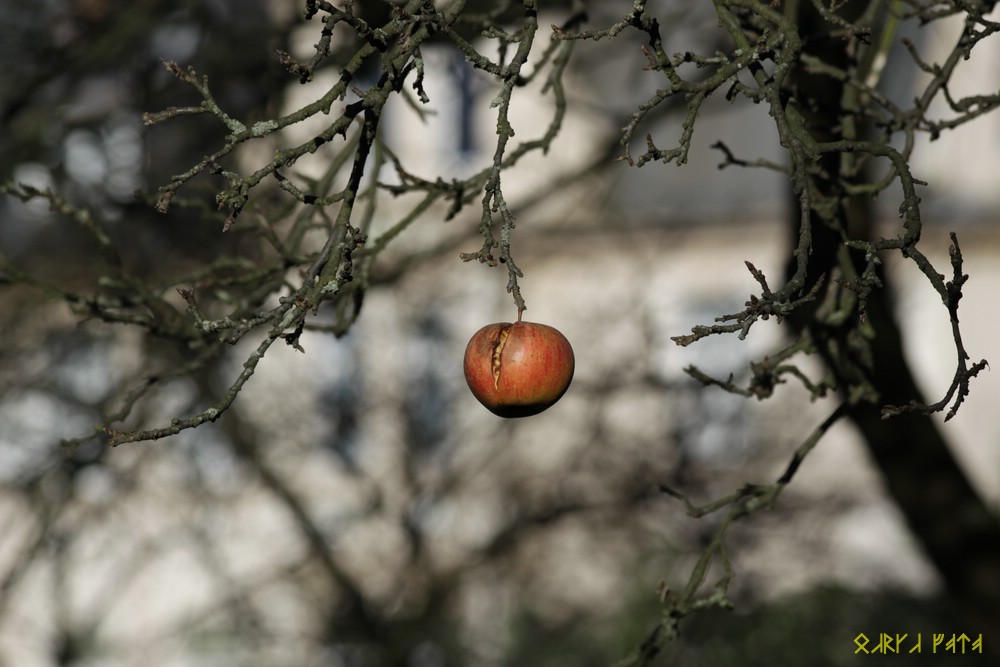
{"type": "Point", "coordinates": [519, 369]}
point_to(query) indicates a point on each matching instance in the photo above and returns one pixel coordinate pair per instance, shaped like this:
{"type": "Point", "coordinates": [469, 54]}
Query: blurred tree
{"type": "Point", "coordinates": [301, 249]}
{"type": "Point", "coordinates": [865, 354]}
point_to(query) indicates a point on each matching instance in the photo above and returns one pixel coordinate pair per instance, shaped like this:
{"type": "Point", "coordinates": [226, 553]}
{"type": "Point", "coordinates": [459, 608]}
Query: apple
{"type": "Point", "coordinates": [519, 369]}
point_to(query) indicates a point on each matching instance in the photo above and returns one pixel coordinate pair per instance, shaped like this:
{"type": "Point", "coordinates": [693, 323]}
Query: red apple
{"type": "Point", "coordinates": [519, 369]}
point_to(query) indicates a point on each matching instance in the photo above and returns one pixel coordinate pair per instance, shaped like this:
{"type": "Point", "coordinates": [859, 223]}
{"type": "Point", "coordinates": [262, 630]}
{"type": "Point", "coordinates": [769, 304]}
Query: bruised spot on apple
{"type": "Point", "coordinates": [519, 369]}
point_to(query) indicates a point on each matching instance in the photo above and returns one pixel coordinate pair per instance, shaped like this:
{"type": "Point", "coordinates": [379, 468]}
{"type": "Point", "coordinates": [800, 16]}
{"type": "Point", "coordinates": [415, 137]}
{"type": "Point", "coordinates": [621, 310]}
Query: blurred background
{"type": "Point", "coordinates": [357, 506]}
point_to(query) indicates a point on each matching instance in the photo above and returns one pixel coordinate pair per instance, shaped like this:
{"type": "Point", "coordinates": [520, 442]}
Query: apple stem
{"type": "Point", "coordinates": [520, 311]}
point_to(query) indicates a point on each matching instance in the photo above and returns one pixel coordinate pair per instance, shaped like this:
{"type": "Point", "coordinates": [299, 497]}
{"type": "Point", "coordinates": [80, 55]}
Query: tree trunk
{"type": "Point", "coordinates": [957, 530]}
